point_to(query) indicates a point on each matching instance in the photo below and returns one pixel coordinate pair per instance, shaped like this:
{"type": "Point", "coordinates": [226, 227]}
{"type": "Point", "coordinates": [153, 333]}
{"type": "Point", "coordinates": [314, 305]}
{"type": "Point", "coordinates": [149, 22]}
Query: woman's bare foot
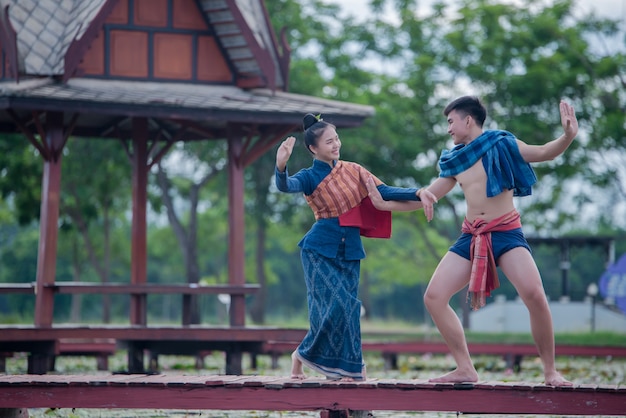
{"type": "Point", "coordinates": [456, 376]}
{"type": "Point", "coordinates": [555, 379]}
{"type": "Point", "coordinates": [296, 367]}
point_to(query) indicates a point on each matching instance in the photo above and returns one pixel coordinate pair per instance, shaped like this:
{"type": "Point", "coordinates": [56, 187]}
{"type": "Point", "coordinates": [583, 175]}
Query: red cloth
{"type": "Point", "coordinates": [484, 276]}
{"type": "Point", "coordinates": [374, 223]}
{"type": "Point", "coordinates": [341, 190]}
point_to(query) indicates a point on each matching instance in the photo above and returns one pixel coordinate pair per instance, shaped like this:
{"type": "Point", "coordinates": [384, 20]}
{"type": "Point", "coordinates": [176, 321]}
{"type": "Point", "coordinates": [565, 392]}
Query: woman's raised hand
{"type": "Point", "coordinates": [284, 152]}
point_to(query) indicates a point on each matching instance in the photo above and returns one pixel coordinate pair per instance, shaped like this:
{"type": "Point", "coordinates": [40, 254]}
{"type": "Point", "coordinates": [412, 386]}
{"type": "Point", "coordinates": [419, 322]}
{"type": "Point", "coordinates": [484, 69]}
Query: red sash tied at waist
{"type": "Point", "coordinates": [484, 275]}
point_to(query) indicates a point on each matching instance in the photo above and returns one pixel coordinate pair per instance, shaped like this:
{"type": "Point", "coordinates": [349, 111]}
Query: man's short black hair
{"type": "Point", "coordinates": [468, 105]}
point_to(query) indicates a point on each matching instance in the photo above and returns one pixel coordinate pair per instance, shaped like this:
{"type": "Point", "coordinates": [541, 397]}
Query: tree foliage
{"type": "Point", "coordinates": [520, 59]}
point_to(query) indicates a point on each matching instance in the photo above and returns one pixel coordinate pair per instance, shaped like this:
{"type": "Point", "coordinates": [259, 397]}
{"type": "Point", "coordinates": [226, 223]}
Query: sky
{"type": "Point", "coordinates": [605, 8]}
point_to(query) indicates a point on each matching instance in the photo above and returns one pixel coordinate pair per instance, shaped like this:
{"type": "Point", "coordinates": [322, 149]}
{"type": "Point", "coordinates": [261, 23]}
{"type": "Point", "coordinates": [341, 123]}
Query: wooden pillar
{"type": "Point", "coordinates": [48, 226]}
{"type": "Point", "coordinates": [236, 256]}
{"type": "Point", "coordinates": [138, 263]}
{"type": "Point", "coordinates": [14, 413]}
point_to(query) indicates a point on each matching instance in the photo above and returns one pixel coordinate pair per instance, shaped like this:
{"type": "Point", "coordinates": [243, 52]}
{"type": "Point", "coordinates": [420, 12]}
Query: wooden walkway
{"type": "Point", "coordinates": [272, 393]}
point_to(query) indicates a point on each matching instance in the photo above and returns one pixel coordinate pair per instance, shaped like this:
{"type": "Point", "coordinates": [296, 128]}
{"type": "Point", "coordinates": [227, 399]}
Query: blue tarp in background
{"type": "Point", "coordinates": [613, 283]}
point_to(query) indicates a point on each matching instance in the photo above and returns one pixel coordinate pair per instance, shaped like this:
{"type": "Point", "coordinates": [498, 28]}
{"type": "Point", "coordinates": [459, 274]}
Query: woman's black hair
{"type": "Point", "coordinates": [313, 127]}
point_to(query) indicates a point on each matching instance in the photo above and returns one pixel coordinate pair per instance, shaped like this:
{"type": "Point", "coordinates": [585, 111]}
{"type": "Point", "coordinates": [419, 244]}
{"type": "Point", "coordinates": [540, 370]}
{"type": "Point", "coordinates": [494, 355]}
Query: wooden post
{"type": "Point", "coordinates": [48, 226]}
{"type": "Point", "coordinates": [14, 413]}
{"type": "Point", "coordinates": [138, 266]}
{"type": "Point", "coordinates": [236, 256]}
{"type": "Point", "coordinates": [138, 274]}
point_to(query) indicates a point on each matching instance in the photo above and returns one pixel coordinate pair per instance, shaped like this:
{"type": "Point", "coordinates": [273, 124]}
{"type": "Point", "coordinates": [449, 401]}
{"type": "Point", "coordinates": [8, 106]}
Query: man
{"type": "Point", "coordinates": [491, 168]}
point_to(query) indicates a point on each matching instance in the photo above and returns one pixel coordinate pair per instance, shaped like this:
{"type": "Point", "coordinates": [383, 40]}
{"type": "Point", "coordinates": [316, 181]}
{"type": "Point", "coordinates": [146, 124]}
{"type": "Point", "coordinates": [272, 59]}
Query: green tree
{"type": "Point", "coordinates": [95, 190]}
{"type": "Point", "coordinates": [522, 61]}
{"type": "Point", "coordinates": [497, 50]}
{"type": "Point", "coordinates": [20, 177]}
{"type": "Point", "coordinates": [180, 180]}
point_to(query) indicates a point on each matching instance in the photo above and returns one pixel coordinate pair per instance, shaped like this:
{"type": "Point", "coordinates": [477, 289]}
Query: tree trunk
{"type": "Point", "coordinates": [76, 270]}
{"type": "Point", "coordinates": [106, 300]}
{"type": "Point", "coordinates": [257, 309]}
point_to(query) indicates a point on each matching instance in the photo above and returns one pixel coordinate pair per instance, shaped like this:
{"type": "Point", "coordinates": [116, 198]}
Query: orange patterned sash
{"type": "Point", "coordinates": [343, 189]}
{"type": "Point", "coordinates": [343, 194]}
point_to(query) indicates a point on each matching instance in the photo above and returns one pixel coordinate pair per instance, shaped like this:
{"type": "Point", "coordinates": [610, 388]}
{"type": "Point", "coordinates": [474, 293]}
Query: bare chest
{"type": "Point", "coordinates": [473, 176]}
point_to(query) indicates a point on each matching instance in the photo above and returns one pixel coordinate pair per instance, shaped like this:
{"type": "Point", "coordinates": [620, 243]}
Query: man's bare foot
{"type": "Point", "coordinates": [456, 376]}
{"type": "Point", "coordinates": [346, 379]}
{"type": "Point", "coordinates": [555, 379]}
{"type": "Point", "coordinates": [296, 368]}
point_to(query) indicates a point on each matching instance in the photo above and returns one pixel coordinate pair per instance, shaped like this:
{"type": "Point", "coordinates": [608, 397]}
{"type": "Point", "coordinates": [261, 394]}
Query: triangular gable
{"type": "Point", "coordinates": [44, 30]}
{"type": "Point", "coordinates": [223, 42]}
{"type": "Point", "coordinates": [165, 40]}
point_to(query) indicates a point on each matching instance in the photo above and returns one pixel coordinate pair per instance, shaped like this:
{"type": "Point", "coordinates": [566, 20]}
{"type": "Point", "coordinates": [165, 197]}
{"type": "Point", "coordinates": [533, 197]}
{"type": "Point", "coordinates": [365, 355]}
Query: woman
{"type": "Point", "coordinates": [332, 249]}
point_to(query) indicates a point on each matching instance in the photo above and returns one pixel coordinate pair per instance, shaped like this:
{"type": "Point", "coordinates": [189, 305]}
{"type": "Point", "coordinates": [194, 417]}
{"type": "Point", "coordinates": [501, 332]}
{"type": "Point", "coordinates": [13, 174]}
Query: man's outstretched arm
{"type": "Point", "coordinates": [428, 195]}
{"type": "Point", "coordinates": [554, 148]}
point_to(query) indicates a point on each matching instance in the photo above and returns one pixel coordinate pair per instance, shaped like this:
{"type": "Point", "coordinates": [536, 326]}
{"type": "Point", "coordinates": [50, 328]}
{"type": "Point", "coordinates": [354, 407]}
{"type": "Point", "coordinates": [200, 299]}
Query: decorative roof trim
{"type": "Point", "coordinates": [284, 57]}
{"type": "Point", "coordinates": [79, 46]}
{"type": "Point", "coordinates": [261, 55]}
{"type": "Point", "coordinates": [283, 53]}
{"type": "Point", "coordinates": [8, 37]}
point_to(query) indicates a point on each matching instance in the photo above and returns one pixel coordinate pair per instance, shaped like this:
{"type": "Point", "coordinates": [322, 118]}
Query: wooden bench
{"type": "Point", "coordinates": [43, 343]}
{"type": "Point", "coordinates": [25, 288]}
{"type": "Point", "coordinates": [149, 288]}
{"type": "Point", "coordinates": [99, 348]}
{"type": "Point", "coordinates": [513, 353]}
{"type": "Point", "coordinates": [331, 398]}
{"type": "Point", "coordinates": [43, 350]}
{"type": "Point", "coordinates": [184, 289]}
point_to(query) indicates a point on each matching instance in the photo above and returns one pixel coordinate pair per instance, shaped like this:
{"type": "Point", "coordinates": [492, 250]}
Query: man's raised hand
{"type": "Point", "coordinates": [568, 119]}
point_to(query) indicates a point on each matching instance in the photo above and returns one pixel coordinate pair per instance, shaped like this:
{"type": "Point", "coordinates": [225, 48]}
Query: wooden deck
{"type": "Point", "coordinates": [272, 393]}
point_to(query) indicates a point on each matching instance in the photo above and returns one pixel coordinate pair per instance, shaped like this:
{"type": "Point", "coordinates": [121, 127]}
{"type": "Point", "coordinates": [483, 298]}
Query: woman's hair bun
{"type": "Point", "coordinates": [309, 120]}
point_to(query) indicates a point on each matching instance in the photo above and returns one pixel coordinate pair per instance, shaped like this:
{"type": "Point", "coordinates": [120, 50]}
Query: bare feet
{"type": "Point", "coordinates": [555, 379]}
{"type": "Point", "coordinates": [296, 367]}
{"type": "Point", "coordinates": [456, 376]}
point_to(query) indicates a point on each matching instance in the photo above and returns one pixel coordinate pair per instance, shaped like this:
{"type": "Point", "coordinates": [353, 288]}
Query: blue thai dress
{"type": "Point", "coordinates": [331, 255]}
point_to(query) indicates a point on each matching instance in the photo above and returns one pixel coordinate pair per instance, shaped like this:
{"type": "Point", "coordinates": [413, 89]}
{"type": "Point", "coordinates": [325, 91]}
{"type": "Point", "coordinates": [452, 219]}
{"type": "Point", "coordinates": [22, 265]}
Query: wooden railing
{"type": "Point", "coordinates": [42, 342]}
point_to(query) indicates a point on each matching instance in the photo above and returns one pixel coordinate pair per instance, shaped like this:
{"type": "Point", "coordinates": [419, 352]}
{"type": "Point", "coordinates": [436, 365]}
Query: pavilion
{"type": "Point", "coordinates": [148, 73]}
